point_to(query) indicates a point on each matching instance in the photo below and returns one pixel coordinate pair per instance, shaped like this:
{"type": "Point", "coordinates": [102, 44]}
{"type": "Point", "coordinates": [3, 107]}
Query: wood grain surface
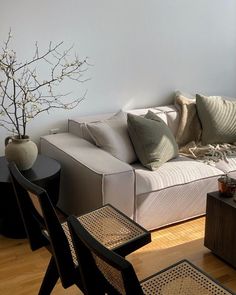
{"type": "Point", "coordinates": [21, 271]}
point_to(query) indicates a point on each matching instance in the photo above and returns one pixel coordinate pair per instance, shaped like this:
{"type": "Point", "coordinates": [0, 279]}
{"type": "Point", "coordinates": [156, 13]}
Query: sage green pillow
{"type": "Point", "coordinates": [152, 139]}
{"type": "Point", "coordinates": [218, 119]}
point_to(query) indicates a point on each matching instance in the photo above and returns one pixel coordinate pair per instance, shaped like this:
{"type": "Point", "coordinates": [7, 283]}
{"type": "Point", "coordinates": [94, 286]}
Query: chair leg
{"type": "Point", "coordinates": [50, 278]}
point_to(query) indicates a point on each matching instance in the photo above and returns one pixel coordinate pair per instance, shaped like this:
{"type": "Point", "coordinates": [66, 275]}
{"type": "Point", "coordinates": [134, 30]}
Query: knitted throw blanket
{"type": "Point", "coordinates": [189, 134]}
{"type": "Point", "coordinates": [210, 153]}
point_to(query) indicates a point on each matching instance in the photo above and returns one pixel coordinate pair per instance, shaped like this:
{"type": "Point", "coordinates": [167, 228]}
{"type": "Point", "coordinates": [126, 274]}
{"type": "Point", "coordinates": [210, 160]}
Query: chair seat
{"type": "Point", "coordinates": [182, 278]}
{"type": "Point", "coordinates": [111, 228]}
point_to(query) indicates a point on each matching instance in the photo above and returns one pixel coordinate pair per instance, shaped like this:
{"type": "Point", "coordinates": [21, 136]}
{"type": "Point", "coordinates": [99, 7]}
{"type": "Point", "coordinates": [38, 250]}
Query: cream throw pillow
{"type": "Point", "coordinates": [112, 136]}
{"type": "Point", "coordinates": [189, 125]}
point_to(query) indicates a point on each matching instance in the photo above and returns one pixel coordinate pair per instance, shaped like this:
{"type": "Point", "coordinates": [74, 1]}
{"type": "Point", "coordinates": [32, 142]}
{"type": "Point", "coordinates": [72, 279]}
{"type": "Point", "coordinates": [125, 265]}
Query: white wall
{"type": "Point", "coordinates": [142, 50]}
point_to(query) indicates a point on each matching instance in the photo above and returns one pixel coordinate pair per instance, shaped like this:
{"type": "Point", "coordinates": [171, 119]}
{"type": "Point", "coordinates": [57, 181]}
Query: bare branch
{"type": "Point", "coordinates": [37, 58]}
{"type": "Point", "coordinates": [24, 94]}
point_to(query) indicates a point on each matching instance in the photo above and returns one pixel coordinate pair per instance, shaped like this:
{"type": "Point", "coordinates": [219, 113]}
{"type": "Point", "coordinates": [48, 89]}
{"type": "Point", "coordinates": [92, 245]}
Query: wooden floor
{"type": "Point", "coordinates": [21, 270]}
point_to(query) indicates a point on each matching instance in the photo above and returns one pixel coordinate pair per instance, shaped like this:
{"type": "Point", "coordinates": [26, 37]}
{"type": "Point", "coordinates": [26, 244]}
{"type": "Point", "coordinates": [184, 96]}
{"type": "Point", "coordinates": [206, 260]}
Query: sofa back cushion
{"type": "Point", "coordinates": [169, 114]}
{"type": "Point", "coordinates": [122, 149]}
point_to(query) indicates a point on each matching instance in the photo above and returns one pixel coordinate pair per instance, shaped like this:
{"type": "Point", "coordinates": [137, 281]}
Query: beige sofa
{"type": "Point", "coordinates": [92, 177]}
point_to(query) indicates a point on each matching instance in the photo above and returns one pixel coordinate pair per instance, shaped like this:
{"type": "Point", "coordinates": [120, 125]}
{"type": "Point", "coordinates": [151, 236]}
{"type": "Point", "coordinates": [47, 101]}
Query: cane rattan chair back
{"type": "Point", "coordinates": [43, 228]}
{"type": "Point", "coordinates": [102, 270]}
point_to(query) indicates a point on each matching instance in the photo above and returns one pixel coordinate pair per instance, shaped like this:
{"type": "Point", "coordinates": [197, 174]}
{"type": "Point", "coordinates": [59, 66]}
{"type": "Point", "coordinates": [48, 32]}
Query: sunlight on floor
{"type": "Point", "coordinates": [182, 233]}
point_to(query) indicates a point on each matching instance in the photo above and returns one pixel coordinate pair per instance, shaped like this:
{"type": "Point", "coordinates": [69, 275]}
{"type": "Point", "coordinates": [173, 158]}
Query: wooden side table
{"type": "Point", "coordinates": [220, 227]}
{"type": "Point", "coordinates": [45, 173]}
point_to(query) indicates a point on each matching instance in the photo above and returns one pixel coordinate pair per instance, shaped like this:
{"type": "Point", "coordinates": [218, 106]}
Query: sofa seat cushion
{"type": "Point", "coordinates": [178, 171]}
{"type": "Point", "coordinates": [227, 167]}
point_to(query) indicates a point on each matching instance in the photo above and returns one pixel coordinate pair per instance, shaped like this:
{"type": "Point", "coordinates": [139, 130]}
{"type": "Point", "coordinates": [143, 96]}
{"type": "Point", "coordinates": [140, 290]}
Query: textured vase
{"type": "Point", "coordinates": [22, 151]}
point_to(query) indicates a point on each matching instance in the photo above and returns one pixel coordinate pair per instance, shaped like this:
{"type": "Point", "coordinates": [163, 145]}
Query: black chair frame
{"type": "Point", "coordinates": [44, 229]}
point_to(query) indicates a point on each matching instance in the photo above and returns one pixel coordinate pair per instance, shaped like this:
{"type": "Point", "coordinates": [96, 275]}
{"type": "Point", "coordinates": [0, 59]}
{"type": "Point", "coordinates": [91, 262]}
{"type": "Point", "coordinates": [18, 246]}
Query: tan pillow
{"type": "Point", "coordinates": [189, 125]}
{"type": "Point", "coordinates": [112, 136]}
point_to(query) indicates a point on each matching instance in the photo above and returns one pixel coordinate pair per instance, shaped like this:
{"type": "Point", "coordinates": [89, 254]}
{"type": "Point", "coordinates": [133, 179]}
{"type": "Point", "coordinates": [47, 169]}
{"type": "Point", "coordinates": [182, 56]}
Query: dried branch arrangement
{"type": "Point", "coordinates": [24, 94]}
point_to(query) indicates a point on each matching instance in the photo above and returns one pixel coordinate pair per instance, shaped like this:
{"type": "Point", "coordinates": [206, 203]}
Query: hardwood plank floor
{"type": "Point", "coordinates": [21, 271]}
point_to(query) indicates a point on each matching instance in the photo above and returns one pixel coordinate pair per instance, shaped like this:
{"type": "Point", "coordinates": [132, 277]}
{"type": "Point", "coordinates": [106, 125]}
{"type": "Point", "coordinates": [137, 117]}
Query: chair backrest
{"type": "Point", "coordinates": [42, 225]}
{"type": "Point", "coordinates": [102, 270]}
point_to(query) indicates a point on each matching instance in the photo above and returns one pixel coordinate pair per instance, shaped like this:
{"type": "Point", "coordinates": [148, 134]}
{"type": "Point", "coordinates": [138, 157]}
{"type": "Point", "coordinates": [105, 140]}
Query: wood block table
{"type": "Point", "coordinates": [220, 227]}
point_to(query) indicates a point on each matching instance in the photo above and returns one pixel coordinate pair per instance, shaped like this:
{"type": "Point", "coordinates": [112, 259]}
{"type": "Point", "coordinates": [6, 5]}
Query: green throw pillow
{"type": "Point", "coordinates": [153, 141]}
{"type": "Point", "coordinates": [218, 119]}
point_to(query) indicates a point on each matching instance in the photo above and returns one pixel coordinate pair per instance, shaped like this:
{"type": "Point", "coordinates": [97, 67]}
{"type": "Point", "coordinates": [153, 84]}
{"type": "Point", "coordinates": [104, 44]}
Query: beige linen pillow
{"type": "Point", "coordinates": [112, 136]}
{"type": "Point", "coordinates": [189, 128]}
{"type": "Point", "coordinates": [153, 141]}
{"type": "Point", "coordinates": [218, 119]}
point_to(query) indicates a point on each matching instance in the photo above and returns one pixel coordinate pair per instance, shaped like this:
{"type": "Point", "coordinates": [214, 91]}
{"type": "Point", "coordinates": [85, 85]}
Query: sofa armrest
{"type": "Point", "coordinates": [90, 177]}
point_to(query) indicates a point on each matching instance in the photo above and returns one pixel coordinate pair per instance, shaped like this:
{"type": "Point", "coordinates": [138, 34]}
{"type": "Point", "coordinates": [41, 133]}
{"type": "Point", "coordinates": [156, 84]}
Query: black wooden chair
{"type": "Point", "coordinates": [105, 272]}
{"type": "Point", "coordinates": [46, 226]}
{"type": "Point", "coordinates": [43, 228]}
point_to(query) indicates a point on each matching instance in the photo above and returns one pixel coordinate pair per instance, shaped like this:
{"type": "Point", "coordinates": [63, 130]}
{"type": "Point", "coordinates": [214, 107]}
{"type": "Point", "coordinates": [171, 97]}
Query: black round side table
{"type": "Point", "coordinates": [45, 173]}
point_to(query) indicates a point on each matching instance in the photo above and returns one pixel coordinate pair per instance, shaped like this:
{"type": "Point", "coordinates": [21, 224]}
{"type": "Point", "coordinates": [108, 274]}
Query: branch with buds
{"type": "Point", "coordinates": [25, 95]}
